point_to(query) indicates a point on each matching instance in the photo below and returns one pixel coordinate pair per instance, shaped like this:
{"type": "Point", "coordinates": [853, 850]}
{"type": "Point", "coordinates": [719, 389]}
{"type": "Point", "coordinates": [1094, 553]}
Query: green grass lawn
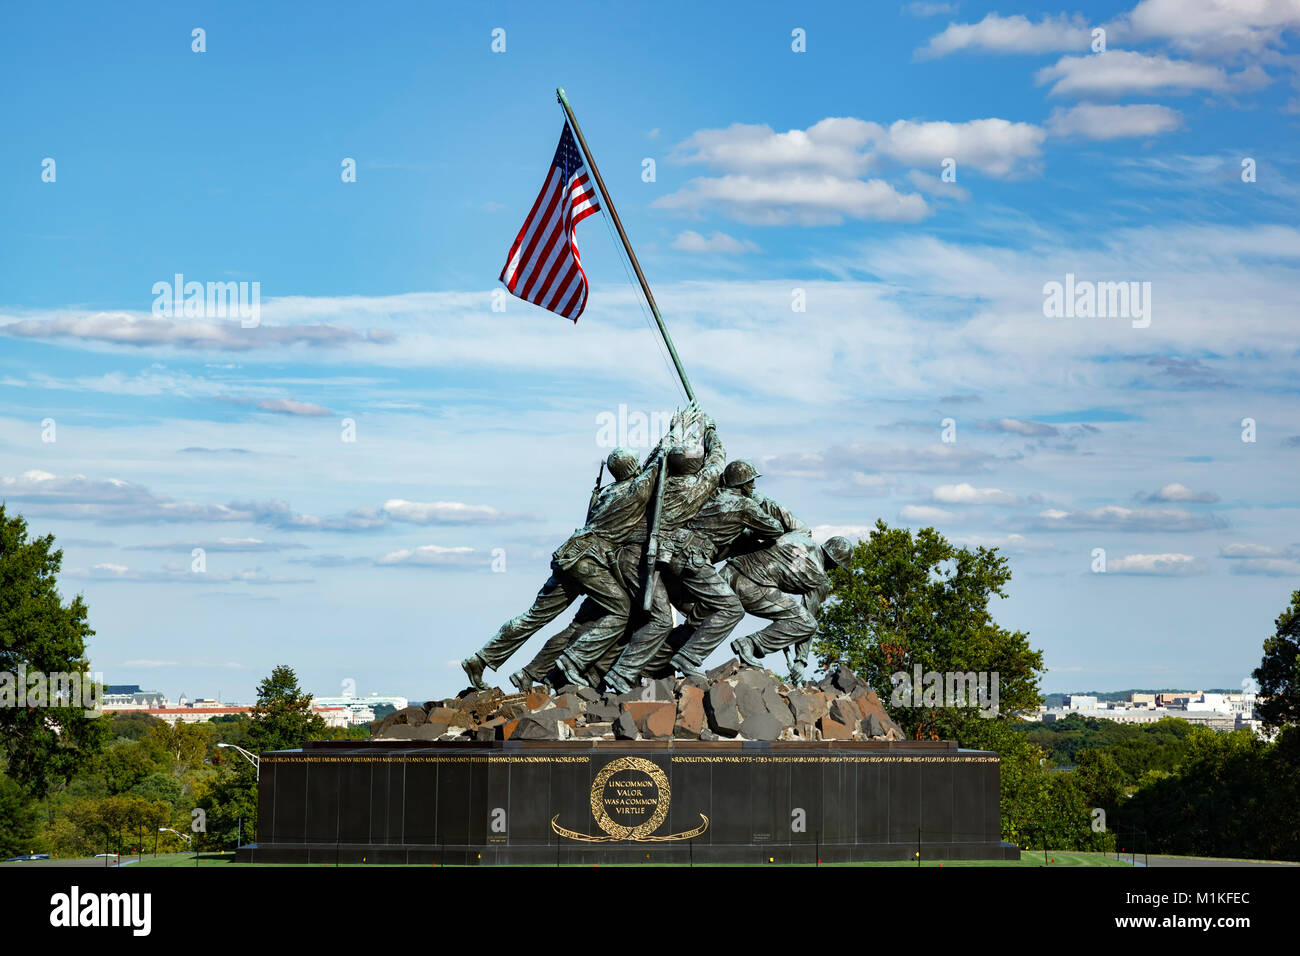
{"type": "Point", "coordinates": [1026, 859]}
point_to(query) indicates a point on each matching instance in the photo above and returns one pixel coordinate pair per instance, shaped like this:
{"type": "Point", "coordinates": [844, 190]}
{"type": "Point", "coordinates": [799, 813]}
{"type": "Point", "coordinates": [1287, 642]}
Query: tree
{"type": "Point", "coordinates": [19, 819]}
{"type": "Point", "coordinates": [119, 822]}
{"type": "Point", "coordinates": [229, 801]}
{"type": "Point", "coordinates": [40, 634]}
{"type": "Point", "coordinates": [282, 717]}
{"type": "Point", "coordinates": [186, 744]}
{"type": "Point", "coordinates": [1232, 795]}
{"type": "Point", "coordinates": [126, 764]}
{"type": "Point", "coordinates": [907, 600]}
{"type": "Point", "coordinates": [1278, 674]}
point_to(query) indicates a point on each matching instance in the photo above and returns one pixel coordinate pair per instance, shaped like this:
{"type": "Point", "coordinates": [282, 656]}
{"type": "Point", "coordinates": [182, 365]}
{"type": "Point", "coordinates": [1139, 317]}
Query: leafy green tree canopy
{"type": "Point", "coordinates": [1278, 674]}
{"type": "Point", "coordinates": [908, 599]}
{"type": "Point", "coordinates": [40, 634]}
{"type": "Point", "coordinates": [282, 717]}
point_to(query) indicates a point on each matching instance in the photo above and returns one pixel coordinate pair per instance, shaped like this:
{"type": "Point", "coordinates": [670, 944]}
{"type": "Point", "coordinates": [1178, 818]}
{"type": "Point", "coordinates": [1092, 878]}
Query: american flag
{"type": "Point", "coordinates": [544, 267]}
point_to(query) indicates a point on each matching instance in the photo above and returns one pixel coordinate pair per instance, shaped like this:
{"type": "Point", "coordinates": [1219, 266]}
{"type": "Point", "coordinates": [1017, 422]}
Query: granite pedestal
{"type": "Point", "coordinates": [571, 802]}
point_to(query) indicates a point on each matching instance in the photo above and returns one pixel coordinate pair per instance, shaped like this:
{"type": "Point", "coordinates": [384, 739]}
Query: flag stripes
{"type": "Point", "coordinates": [544, 266]}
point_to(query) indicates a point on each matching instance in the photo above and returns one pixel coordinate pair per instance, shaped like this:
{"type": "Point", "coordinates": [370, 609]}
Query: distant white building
{"type": "Point", "coordinates": [361, 710]}
{"type": "Point", "coordinates": [131, 697]}
{"type": "Point", "coordinates": [1122, 715]}
{"type": "Point", "coordinates": [1216, 711]}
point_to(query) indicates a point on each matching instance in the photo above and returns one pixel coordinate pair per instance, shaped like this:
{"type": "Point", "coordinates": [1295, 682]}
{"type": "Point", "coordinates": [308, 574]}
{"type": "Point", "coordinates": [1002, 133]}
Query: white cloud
{"type": "Point", "coordinates": [223, 545]}
{"type": "Point", "coordinates": [432, 555]}
{"type": "Point", "coordinates": [691, 241]}
{"type": "Point", "coordinates": [178, 573]}
{"type": "Point", "coordinates": [1262, 559]}
{"type": "Point", "coordinates": [865, 484]}
{"type": "Point", "coordinates": [996, 147]}
{"type": "Point", "coordinates": [1175, 491]}
{"type": "Point", "coordinates": [1015, 426]}
{"type": "Point", "coordinates": [124, 328]}
{"type": "Point", "coordinates": [1269, 567]}
{"type": "Point", "coordinates": [1249, 551]}
{"type": "Point", "coordinates": [114, 501]}
{"type": "Point", "coordinates": [289, 407]}
{"type": "Point", "coordinates": [1127, 72]}
{"type": "Point", "coordinates": [814, 176]}
{"type": "Point", "coordinates": [446, 512]}
{"type": "Point", "coordinates": [1010, 543]}
{"type": "Point", "coordinates": [806, 200]}
{"type": "Point", "coordinates": [1014, 34]}
{"type": "Point", "coordinates": [835, 146]}
{"type": "Point", "coordinates": [1170, 564]}
{"type": "Point", "coordinates": [924, 513]}
{"type": "Point", "coordinates": [934, 186]}
{"type": "Point", "coordinates": [1091, 121]}
{"type": "Point", "coordinates": [1214, 26]}
{"type": "Point", "coordinates": [922, 8]}
{"type": "Point", "coordinates": [854, 532]}
{"type": "Point", "coordinates": [108, 500]}
{"type": "Point", "coordinates": [863, 459]}
{"type": "Point", "coordinates": [1116, 518]}
{"type": "Point", "coordinates": [965, 494]}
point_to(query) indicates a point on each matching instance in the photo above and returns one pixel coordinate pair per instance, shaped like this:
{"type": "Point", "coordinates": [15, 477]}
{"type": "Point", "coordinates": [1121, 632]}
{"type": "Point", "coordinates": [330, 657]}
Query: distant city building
{"type": "Point", "coordinates": [131, 697]}
{"type": "Point", "coordinates": [333, 716]}
{"type": "Point", "coordinates": [1217, 711]}
{"type": "Point", "coordinates": [193, 715]}
{"type": "Point", "coordinates": [361, 710]}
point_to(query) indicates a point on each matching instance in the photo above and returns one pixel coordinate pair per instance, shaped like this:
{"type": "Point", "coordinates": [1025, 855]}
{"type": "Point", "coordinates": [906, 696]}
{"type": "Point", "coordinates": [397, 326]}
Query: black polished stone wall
{"type": "Point", "coordinates": [676, 801]}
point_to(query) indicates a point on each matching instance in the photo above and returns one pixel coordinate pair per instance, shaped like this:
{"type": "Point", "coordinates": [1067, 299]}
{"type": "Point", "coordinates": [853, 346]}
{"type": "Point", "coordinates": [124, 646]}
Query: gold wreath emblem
{"type": "Point", "coordinates": [642, 832]}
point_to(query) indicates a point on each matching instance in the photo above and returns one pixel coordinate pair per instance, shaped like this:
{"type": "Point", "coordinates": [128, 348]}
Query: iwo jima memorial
{"type": "Point", "coordinates": [613, 744]}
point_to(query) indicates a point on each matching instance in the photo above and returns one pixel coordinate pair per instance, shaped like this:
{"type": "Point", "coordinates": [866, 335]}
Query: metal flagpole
{"type": "Point", "coordinates": [618, 224]}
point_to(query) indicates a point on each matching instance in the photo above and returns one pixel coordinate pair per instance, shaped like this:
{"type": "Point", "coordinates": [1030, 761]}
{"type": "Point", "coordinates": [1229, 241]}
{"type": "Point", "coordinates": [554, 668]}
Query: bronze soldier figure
{"type": "Point", "coordinates": [718, 520]}
{"type": "Point", "coordinates": [693, 583]}
{"type": "Point", "coordinates": [585, 564]}
{"type": "Point", "coordinates": [692, 478]}
{"type": "Point", "coordinates": [786, 584]}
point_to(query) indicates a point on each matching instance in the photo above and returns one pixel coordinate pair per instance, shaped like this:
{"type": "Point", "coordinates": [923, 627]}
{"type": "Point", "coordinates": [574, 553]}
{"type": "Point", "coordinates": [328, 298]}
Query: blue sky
{"type": "Point", "coordinates": [774, 171]}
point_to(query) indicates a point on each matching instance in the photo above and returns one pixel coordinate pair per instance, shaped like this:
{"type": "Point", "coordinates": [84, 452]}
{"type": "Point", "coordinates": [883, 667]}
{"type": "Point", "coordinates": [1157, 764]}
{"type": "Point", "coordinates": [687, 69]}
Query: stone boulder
{"type": "Point", "coordinates": [735, 702]}
{"type": "Point", "coordinates": [724, 715]}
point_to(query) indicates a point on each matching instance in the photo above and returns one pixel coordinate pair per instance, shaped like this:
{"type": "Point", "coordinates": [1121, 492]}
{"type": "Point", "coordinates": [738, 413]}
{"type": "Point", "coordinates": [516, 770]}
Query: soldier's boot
{"type": "Point", "coordinates": [569, 672]}
{"type": "Point", "coordinates": [615, 684]}
{"type": "Point", "coordinates": [522, 680]}
{"type": "Point", "coordinates": [688, 667]}
{"type": "Point", "coordinates": [473, 667]}
{"type": "Point", "coordinates": [743, 648]}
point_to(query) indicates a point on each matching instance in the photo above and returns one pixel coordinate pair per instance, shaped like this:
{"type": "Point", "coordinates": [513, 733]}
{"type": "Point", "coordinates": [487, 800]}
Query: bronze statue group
{"type": "Point", "coordinates": [652, 542]}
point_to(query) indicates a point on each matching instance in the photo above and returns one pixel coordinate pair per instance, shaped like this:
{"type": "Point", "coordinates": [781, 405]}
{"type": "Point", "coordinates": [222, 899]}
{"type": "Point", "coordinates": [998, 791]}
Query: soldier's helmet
{"type": "Point", "coordinates": [838, 550]}
{"type": "Point", "coordinates": [622, 463]}
{"type": "Point", "coordinates": [739, 472]}
{"type": "Point", "coordinates": [685, 459]}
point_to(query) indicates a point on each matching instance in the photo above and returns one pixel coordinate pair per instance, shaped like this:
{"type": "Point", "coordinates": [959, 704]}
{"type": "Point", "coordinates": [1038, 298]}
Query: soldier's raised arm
{"type": "Point", "coordinates": [759, 521]}
{"type": "Point", "coordinates": [782, 514]}
{"type": "Point", "coordinates": [715, 453]}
